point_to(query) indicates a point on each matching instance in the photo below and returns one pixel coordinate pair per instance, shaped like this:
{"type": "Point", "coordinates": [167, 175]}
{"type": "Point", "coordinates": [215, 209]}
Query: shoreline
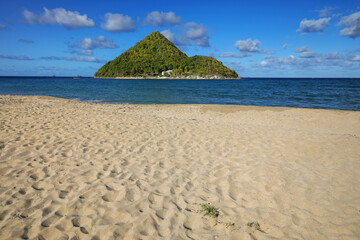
{"type": "Point", "coordinates": [89, 170]}
{"type": "Point", "coordinates": [176, 104]}
{"type": "Point", "coordinates": [170, 78]}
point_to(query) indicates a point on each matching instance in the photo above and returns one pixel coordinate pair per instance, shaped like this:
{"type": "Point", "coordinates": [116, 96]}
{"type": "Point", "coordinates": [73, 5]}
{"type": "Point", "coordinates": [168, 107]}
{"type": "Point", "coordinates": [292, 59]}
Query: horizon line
{"type": "Point", "coordinates": [240, 78]}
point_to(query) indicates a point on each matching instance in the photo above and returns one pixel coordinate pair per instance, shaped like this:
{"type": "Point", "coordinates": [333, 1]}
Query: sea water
{"type": "Point", "coordinates": [339, 93]}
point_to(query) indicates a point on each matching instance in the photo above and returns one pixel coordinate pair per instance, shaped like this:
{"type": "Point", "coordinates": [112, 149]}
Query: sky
{"type": "Point", "coordinates": [258, 38]}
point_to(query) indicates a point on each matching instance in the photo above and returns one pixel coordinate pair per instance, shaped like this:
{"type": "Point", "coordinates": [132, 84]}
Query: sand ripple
{"type": "Point", "coordinates": [72, 170]}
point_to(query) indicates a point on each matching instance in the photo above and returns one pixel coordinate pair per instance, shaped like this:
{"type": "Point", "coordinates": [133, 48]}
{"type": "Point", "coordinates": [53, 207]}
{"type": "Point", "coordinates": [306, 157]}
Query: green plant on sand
{"type": "Point", "coordinates": [213, 212]}
{"type": "Point", "coordinates": [209, 210]}
{"type": "Point", "coordinates": [255, 225]}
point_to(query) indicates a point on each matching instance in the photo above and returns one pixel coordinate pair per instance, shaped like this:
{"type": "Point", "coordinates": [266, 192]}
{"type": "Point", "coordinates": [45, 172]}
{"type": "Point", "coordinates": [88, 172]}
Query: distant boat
{"type": "Point", "coordinates": [77, 77]}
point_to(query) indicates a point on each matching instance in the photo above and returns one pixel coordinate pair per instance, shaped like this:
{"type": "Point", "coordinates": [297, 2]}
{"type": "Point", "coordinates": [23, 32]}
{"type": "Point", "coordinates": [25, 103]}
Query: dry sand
{"type": "Point", "coordinates": [73, 170]}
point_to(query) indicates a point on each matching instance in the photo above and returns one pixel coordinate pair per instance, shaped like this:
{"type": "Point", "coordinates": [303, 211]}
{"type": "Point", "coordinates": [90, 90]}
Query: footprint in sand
{"type": "Point", "coordinates": [50, 221]}
{"type": "Point", "coordinates": [63, 194]}
{"type": "Point", "coordinates": [111, 196]}
{"type": "Point", "coordinates": [82, 223]}
{"type": "Point", "coordinates": [161, 213]}
{"type": "Point", "coordinates": [40, 186]}
{"type": "Point", "coordinates": [132, 194]}
{"type": "Point", "coordinates": [155, 200]}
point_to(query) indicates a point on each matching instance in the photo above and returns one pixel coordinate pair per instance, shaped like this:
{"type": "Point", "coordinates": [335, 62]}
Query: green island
{"type": "Point", "coordinates": [157, 57]}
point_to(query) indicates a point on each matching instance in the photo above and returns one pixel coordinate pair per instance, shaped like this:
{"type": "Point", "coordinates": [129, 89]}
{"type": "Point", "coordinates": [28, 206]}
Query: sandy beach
{"type": "Point", "coordinates": [76, 170]}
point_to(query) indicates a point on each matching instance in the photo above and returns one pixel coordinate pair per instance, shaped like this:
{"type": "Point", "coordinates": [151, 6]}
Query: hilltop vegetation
{"type": "Point", "coordinates": [204, 66]}
{"type": "Point", "coordinates": [156, 54]}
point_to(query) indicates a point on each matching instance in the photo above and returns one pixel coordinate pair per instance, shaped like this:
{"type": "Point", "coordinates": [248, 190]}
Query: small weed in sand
{"type": "Point", "coordinates": [210, 210]}
{"type": "Point", "coordinates": [255, 225]}
{"type": "Point", "coordinates": [229, 225]}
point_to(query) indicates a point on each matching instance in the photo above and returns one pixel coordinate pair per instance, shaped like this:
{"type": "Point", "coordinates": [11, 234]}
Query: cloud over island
{"type": "Point", "coordinates": [116, 22]}
{"type": "Point", "coordinates": [60, 16]}
{"type": "Point", "coordinates": [312, 25]}
{"type": "Point", "coordinates": [159, 19]}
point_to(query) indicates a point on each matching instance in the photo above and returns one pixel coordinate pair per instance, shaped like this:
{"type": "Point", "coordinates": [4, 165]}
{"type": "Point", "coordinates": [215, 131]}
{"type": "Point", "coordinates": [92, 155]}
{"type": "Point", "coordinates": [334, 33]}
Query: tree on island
{"type": "Point", "coordinates": [155, 55]}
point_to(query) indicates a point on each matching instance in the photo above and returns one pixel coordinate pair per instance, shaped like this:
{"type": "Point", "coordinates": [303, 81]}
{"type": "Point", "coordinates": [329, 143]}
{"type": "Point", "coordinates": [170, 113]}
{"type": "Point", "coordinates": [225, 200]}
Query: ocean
{"type": "Point", "coordinates": [320, 93]}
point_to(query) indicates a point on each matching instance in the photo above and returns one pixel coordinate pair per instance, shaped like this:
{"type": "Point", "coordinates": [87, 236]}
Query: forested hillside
{"type": "Point", "coordinates": [156, 54]}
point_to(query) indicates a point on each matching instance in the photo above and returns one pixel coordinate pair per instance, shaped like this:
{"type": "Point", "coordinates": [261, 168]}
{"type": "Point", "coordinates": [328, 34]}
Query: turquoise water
{"type": "Point", "coordinates": [307, 93]}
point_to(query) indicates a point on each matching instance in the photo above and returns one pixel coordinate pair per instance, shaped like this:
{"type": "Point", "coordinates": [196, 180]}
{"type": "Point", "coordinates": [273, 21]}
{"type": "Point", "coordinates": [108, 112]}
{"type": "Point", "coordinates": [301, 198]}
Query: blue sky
{"type": "Point", "coordinates": [258, 38]}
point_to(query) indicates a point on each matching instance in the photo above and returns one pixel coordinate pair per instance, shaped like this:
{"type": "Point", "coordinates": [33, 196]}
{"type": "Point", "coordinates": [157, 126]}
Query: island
{"type": "Point", "coordinates": [157, 57]}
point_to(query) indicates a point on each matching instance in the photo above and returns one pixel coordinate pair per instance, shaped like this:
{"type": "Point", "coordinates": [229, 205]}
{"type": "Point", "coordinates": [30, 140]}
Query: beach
{"type": "Point", "coordinates": [77, 170]}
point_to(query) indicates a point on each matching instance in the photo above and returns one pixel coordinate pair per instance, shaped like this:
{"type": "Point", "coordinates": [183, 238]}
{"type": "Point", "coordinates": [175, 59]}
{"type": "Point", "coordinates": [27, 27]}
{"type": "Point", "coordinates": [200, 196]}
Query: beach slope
{"type": "Point", "coordinates": [75, 170]}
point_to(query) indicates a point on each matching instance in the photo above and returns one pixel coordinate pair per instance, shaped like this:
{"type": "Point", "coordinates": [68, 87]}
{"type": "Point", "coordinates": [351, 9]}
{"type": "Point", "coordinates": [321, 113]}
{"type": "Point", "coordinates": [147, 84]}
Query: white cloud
{"type": "Point", "coordinates": [331, 59]}
{"type": "Point", "coordinates": [326, 11]}
{"type": "Point", "coordinates": [235, 55]}
{"type": "Point", "coordinates": [195, 30]}
{"type": "Point", "coordinates": [169, 35]}
{"type": "Point", "coordinates": [75, 58]}
{"type": "Point", "coordinates": [302, 49]}
{"type": "Point", "coordinates": [60, 16]}
{"type": "Point", "coordinates": [158, 19]}
{"type": "Point", "coordinates": [86, 43]}
{"type": "Point", "coordinates": [193, 34]}
{"type": "Point", "coordinates": [289, 60]}
{"type": "Point", "coordinates": [309, 26]}
{"type": "Point", "coordinates": [264, 63]}
{"type": "Point", "coordinates": [83, 52]}
{"type": "Point", "coordinates": [281, 62]}
{"type": "Point", "coordinates": [332, 55]}
{"type": "Point", "coordinates": [355, 58]}
{"type": "Point", "coordinates": [182, 40]}
{"type": "Point", "coordinates": [305, 52]}
{"type": "Point", "coordinates": [351, 24]}
{"type": "Point", "coordinates": [115, 22]}
{"type": "Point", "coordinates": [248, 45]}
{"type": "Point", "coordinates": [197, 33]}
{"type": "Point", "coordinates": [309, 54]}
{"type": "Point", "coordinates": [98, 42]}
{"type": "Point", "coordinates": [285, 46]}
{"type": "Point", "coordinates": [14, 57]}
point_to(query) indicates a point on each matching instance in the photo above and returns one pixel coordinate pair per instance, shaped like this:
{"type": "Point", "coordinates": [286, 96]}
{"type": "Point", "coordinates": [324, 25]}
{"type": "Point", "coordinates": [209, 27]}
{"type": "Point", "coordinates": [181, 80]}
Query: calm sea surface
{"type": "Point", "coordinates": [307, 93]}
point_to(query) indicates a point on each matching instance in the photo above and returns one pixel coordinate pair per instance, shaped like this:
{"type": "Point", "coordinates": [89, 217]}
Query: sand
{"type": "Point", "coordinates": [74, 170]}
